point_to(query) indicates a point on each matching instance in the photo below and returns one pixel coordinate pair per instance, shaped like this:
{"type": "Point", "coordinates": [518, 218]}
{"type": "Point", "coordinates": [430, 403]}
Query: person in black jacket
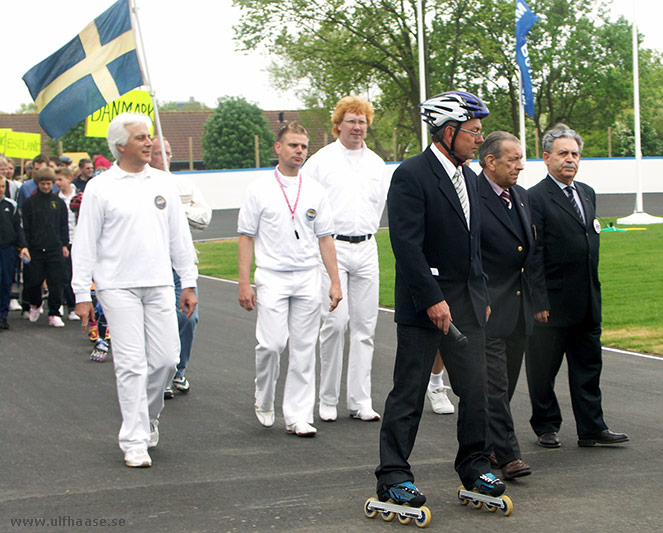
{"type": "Point", "coordinates": [568, 309]}
{"type": "Point", "coordinates": [46, 228]}
{"type": "Point", "coordinates": [11, 239]}
{"type": "Point", "coordinates": [507, 245]}
{"type": "Point", "coordinates": [434, 223]}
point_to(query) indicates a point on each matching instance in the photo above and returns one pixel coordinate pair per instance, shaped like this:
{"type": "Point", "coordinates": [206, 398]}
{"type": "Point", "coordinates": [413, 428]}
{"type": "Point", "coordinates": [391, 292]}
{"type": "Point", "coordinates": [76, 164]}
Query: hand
{"type": "Point", "coordinates": [542, 316]}
{"type": "Point", "coordinates": [440, 315]}
{"type": "Point", "coordinates": [188, 301]}
{"type": "Point", "coordinates": [335, 296]}
{"type": "Point", "coordinates": [488, 311]}
{"type": "Point", "coordinates": [65, 251]}
{"type": "Point", "coordinates": [25, 254]}
{"type": "Point", "coordinates": [247, 297]}
{"type": "Point", "coordinates": [85, 310]}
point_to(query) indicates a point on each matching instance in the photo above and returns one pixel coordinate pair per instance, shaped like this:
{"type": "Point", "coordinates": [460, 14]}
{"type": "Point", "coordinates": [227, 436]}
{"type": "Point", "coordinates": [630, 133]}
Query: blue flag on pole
{"type": "Point", "coordinates": [525, 19]}
{"type": "Point", "coordinates": [96, 67]}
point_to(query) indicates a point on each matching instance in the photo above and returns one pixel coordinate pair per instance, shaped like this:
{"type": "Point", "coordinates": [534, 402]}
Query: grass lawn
{"type": "Point", "coordinates": [631, 272]}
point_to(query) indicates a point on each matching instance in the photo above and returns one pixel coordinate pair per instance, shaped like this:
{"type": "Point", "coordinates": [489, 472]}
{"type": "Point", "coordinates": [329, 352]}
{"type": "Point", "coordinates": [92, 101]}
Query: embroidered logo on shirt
{"type": "Point", "coordinates": [311, 214]}
{"type": "Point", "coordinates": [54, 204]}
{"type": "Point", "coordinates": [160, 202]}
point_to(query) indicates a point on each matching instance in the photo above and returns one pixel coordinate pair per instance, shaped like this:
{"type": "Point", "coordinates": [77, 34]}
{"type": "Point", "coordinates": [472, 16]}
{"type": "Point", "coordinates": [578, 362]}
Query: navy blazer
{"type": "Point", "coordinates": [437, 257]}
{"type": "Point", "coordinates": [506, 259]}
{"type": "Point", "coordinates": [566, 255]}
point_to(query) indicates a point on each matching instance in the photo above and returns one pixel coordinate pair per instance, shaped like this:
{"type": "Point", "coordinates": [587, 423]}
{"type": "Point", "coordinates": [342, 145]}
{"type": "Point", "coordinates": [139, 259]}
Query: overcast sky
{"type": "Point", "coordinates": [189, 47]}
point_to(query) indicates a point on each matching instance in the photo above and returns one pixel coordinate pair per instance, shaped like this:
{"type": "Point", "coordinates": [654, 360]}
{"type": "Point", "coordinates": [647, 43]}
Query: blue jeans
{"type": "Point", "coordinates": [187, 327]}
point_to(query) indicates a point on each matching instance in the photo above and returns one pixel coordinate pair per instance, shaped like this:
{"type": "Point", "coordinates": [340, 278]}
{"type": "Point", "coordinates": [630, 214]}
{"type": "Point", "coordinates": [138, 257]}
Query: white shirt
{"type": "Point", "coordinates": [450, 169]}
{"type": "Point", "coordinates": [196, 209]}
{"type": "Point", "coordinates": [71, 216]}
{"type": "Point", "coordinates": [356, 183]}
{"type": "Point", "coordinates": [131, 233]}
{"type": "Point", "coordinates": [266, 216]}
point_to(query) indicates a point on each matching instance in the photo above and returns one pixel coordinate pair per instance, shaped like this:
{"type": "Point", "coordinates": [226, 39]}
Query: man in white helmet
{"type": "Point", "coordinates": [433, 206]}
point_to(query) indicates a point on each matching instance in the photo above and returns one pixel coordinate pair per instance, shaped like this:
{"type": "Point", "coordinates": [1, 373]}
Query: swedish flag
{"type": "Point", "coordinates": [96, 67]}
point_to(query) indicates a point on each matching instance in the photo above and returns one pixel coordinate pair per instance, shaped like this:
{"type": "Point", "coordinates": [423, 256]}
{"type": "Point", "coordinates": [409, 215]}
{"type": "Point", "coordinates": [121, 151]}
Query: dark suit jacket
{"type": "Point", "coordinates": [506, 259]}
{"type": "Point", "coordinates": [566, 256]}
{"type": "Point", "coordinates": [437, 257]}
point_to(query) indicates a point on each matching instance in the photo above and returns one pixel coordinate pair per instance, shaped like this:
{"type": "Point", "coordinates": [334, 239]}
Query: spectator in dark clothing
{"type": "Point", "coordinates": [11, 239]}
{"type": "Point", "coordinates": [45, 222]}
{"type": "Point", "coordinates": [86, 168]}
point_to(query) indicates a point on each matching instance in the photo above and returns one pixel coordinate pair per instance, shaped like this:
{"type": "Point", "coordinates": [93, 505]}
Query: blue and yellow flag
{"type": "Point", "coordinates": [96, 67]}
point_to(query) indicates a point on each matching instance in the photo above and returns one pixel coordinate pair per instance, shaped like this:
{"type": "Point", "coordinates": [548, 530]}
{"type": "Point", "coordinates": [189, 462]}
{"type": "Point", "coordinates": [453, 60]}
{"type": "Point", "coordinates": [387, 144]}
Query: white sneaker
{"type": "Point", "coordinates": [137, 458]}
{"type": "Point", "coordinates": [73, 316]}
{"type": "Point", "coordinates": [367, 415]}
{"type": "Point", "coordinates": [327, 412]}
{"type": "Point", "coordinates": [154, 434]}
{"type": "Point", "coordinates": [34, 313]}
{"type": "Point", "coordinates": [301, 429]}
{"type": "Point", "coordinates": [265, 416]}
{"type": "Point", "coordinates": [440, 401]}
{"type": "Point", "coordinates": [14, 305]}
{"type": "Point", "coordinates": [55, 321]}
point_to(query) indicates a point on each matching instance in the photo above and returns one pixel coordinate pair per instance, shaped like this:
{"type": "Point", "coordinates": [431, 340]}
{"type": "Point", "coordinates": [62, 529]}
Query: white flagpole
{"type": "Point", "coordinates": [157, 119]}
{"type": "Point", "coordinates": [639, 216]}
{"type": "Point", "coordinates": [422, 69]}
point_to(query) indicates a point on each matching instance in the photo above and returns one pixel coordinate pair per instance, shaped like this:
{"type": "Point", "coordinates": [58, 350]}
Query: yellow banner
{"type": "Point", "coordinates": [3, 138]}
{"type": "Point", "coordinates": [136, 101]}
{"type": "Point", "coordinates": [22, 145]}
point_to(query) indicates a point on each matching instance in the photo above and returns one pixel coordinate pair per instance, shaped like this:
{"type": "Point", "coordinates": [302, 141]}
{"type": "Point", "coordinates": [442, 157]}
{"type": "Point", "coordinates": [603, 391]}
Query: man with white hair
{"type": "Point", "coordinates": [131, 233]}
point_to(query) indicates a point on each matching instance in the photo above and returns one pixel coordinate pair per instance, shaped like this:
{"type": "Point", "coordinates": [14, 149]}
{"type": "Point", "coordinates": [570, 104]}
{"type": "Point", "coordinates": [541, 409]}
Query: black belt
{"type": "Point", "coordinates": [354, 239]}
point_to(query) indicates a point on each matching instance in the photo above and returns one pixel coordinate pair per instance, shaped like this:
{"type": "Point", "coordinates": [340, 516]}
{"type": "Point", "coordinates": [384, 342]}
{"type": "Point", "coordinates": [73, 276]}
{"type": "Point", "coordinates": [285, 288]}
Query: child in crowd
{"type": "Point", "coordinates": [67, 191]}
{"type": "Point", "coordinates": [46, 227]}
{"type": "Point", "coordinates": [11, 238]}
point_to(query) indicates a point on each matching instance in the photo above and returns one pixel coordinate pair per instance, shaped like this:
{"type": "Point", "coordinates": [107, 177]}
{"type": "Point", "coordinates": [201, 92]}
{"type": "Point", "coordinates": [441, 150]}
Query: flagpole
{"type": "Point", "coordinates": [639, 216]}
{"type": "Point", "coordinates": [143, 61]}
{"type": "Point", "coordinates": [422, 69]}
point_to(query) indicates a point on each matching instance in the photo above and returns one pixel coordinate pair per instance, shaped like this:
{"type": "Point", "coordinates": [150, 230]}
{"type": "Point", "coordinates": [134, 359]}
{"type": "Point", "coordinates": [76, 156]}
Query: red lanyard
{"type": "Point", "coordinates": [291, 208]}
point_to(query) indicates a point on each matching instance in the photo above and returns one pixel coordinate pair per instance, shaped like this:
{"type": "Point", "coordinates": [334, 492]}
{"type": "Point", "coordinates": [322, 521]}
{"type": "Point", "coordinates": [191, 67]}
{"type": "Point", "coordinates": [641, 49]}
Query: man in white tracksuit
{"type": "Point", "coordinates": [285, 216]}
{"type": "Point", "coordinates": [131, 233]}
{"type": "Point", "coordinates": [356, 183]}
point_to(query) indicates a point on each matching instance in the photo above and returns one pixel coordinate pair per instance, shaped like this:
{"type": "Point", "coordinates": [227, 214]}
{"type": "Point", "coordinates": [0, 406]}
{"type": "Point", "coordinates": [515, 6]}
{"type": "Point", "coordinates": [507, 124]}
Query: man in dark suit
{"type": "Point", "coordinates": [568, 311]}
{"type": "Point", "coordinates": [434, 223]}
{"type": "Point", "coordinates": [507, 245]}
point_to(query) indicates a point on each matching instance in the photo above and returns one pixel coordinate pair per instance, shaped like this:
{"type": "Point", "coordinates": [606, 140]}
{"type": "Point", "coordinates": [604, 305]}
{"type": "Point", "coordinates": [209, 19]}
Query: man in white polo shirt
{"type": "Point", "coordinates": [288, 218]}
{"type": "Point", "coordinates": [356, 184]}
{"type": "Point", "coordinates": [131, 233]}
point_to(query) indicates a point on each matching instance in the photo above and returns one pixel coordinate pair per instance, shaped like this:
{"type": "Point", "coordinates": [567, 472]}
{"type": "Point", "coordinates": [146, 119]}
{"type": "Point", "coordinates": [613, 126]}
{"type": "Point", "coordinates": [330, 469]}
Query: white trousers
{"type": "Point", "coordinates": [288, 308]}
{"type": "Point", "coordinates": [359, 271]}
{"type": "Point", "coordinates": [146, 349]}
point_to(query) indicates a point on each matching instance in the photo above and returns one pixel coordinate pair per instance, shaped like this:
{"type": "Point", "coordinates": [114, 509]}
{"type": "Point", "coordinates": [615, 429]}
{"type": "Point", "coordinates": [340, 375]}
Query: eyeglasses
{"type": "Point", "coordinates": [556, 134]}
{"type": "Point", "coordinates": [361, 123]}
{"type": "Point", "coordinates": [475, 133]}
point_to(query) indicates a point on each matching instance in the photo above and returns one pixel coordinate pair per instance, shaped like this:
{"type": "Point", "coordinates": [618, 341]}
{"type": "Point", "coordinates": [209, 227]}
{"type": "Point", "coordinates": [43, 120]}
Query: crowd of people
{"type": "Point", "coordinates": [487, 274]}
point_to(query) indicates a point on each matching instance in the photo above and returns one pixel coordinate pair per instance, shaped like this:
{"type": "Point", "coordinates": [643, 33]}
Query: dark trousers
{"type": "Point", "coordinates": [44, 265]}
{"type": "Point", "coordinates": [67, 291]}
{"type": "Point", "coordinates": [503, 360]}
{"type": "Point", "coordinates": [545, 351]}
{"type": "Point", "coordinates": [466, 368]}
{"type": "Point", "coordinates": [7, 260]}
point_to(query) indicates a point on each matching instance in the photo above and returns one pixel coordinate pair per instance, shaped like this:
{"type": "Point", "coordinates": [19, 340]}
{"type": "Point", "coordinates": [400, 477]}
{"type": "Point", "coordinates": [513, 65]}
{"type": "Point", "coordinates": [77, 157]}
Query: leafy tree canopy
{"type": "Point", "coordinates": [228, 135]}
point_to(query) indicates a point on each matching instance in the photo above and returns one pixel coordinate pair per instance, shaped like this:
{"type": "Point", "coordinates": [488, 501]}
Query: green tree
{"type": "Point", "coordinates": [228, 135]}
{"type": "Point", "coordinates": [581, 61]}
{"type": "Point", "coordinates": [27, 108]}
{"type": "Point", "coordinates": [76, 141]}
{"type": "Point", "coordinates": [190, 105]}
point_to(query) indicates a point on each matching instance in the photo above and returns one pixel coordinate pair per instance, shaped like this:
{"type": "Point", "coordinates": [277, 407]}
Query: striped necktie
{"type": "Point", "coordinates": [459, 185]}
{"type": "Point", "coordinates": [506, 197]}
{"type": "Point", "coordinates": [569, 193]}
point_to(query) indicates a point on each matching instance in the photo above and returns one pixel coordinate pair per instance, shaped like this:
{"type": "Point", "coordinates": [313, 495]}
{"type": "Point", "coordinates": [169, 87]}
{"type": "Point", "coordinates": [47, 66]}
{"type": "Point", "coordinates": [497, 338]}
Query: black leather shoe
{"type": "Point", "coordinates": [493, 460]}
{"type": "Point", "coordinates": [549, 440]}
{"type": "Point", "coordinates": [602, 437]}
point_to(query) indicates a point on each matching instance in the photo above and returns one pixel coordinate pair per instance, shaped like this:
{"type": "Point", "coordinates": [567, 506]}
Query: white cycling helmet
{"type": "Point", "coordinates": [459, 106]}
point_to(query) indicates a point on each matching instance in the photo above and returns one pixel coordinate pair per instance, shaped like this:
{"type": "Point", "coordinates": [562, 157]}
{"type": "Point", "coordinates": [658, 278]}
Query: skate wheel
{"type": "Point", "coordinates": [477, 504]}
{"type": "Point", "coordinates": [425, 518]}
{"type": "Point", "coordinates": [370, 513]}
{"type": "Point", "coordinates": [405, 520]}
{"type": "Point", "coordinates": [387, 516]}
{"type": "Point", "coordinates": [463, 501]}
{"type": "Point", "coordinates": [490, 507]}
{"type": "Point", "coordinates": [507, 506]}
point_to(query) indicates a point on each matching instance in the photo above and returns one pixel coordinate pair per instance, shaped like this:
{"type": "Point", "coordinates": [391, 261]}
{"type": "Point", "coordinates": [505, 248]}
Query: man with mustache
{"type": "Point", "coordinates": [568, 310]}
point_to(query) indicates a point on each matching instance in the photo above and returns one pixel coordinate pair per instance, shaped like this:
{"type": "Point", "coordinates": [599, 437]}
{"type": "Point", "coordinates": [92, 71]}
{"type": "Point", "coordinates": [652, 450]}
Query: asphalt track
{"type": "Point", "coordinates": [217, 469]}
